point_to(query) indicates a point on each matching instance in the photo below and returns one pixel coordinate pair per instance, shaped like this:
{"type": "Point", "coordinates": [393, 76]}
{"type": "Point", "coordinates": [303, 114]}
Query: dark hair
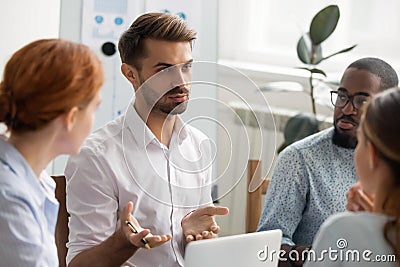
{"type": "Point", "coordinates": [45, 79]}
{"type": "Point", "coordinates": [380, 68]}
{"type": "Point", "coordinates": [381, 125]}
{"type": "Point", "coordinates": [157, 26]}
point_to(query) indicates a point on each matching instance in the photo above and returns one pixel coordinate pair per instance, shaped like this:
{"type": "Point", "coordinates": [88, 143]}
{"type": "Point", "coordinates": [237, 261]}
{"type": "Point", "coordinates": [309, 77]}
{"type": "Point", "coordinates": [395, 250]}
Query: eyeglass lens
{"type": "Point", "coordinates": [340, 99]}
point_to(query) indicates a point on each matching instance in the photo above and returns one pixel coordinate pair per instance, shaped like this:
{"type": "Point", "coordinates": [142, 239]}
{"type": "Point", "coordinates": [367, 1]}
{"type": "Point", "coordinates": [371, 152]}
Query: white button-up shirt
{"type": "Point", "coordinates": [124, 161]}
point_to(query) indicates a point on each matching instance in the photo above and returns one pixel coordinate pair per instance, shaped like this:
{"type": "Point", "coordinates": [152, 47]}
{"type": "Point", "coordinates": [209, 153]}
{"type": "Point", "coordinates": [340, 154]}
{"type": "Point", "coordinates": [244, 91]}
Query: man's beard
{"type": "Point", "coordinates": [172, 109]}
{"type": "Point", "coordinates": [162, 104]}
{"type": "Point", "coordinates": [343, 140]}
{"type": "Point", "coordinates": [155, 102]}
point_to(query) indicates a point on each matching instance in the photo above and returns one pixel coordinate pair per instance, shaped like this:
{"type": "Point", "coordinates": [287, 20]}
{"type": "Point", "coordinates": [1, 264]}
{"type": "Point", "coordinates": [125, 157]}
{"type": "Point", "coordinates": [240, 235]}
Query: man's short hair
{"type": "Point", "coordinates": [157, 26]}
{"type": "Point", "coordinates": [380, 68]}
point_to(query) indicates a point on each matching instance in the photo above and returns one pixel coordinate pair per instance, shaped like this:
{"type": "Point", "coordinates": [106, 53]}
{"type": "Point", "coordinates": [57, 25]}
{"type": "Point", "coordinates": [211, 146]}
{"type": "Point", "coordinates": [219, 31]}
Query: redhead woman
{"type": "Point", "coordinates": [48, 96]}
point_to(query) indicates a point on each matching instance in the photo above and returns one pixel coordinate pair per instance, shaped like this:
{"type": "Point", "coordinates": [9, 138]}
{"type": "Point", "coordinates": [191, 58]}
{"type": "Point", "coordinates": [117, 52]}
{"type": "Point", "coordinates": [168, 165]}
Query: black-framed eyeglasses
{"type": "Point", "coordinates": [340, 99]}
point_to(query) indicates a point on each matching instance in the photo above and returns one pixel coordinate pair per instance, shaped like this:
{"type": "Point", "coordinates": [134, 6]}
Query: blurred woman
{"type": "Point", "coordinates": [363, 238]}
{"type": "Point", "coordinates": [48, 96]}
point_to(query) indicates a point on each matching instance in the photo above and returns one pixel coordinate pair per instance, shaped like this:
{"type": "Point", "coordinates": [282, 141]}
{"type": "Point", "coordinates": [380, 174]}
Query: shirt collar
{"type": "Point", "coordinates": [144, 136]}
{"type": "Point", "coordinates": [180, 129]}
{"type": "Point", "coordinates": [11, 157]}
{"type": "Point", "coordinates": [141, 133]}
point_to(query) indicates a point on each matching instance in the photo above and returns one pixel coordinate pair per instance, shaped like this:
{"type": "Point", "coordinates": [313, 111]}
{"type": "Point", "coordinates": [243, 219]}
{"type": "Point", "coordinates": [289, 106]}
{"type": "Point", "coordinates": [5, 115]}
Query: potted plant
{"type": "Point", "coordinates": [309, 46]}
{"type": "Point", "coordinates": [309, 51]}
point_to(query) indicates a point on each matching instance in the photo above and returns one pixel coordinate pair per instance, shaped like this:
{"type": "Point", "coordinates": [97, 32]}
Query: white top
{"type": "Point", "coordinates": [123, 161]}
{"type": "Point", "coordinates": [353, 239]}
{"type": "Point", "coordinates": [28, 212]}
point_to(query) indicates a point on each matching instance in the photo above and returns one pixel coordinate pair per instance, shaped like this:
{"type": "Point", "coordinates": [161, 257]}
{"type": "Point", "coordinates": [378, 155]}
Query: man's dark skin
{"type": "Point", "coordinates": [293, 255]}
{"type": "Point", "coordinates": [346, 120]}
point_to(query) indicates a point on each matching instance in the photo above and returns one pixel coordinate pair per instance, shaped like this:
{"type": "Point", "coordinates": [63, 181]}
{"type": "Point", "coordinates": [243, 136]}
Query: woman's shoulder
{"type": "Point", "coordinates": [354, 224]}
{"type": "Point", "coordinates": [344, 218]}
{"type": "Point", "coordinates": [14, 186]}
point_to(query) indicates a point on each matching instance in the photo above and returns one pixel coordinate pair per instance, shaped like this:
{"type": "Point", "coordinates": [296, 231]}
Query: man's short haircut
{"type": "Point", "coordinates": [380, 68]}
{"type": "Point", "coordinates": [157, 26]}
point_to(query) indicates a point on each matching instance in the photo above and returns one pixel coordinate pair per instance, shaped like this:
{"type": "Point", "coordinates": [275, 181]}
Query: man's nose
{"type": "Point", "coordinates": [349, 108]}
{"type": "Point", "coordinates": [178, 78]}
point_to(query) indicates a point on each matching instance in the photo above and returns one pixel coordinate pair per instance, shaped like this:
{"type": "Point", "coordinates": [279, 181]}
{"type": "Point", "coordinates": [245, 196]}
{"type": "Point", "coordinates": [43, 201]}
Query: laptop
{"type": "Point", "coordinates": [245, 250]}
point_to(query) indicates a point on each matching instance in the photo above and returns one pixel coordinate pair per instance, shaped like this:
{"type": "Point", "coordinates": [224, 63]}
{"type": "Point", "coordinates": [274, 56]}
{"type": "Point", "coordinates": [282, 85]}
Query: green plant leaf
{"type": "Point", "coordinates": [318, 71]}
{"type": "Point", "coordinates": [298, 127]}
{"type": "Point", "coordinates": [314, 70]}
{"type": "Point", "coordinates": [304, 49]}
{"type": "Point", "coordinates": [308, 53]}
{"type": "Point", "coordinates": [339, 52]}
{"type": "Point", "coordinates": [304, 68]}
{"type": "Point", "coordinates": [324, 23]}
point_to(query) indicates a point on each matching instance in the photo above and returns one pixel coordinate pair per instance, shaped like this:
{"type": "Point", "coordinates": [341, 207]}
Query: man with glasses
{"type": "Point", "coordinates": [313, 175]}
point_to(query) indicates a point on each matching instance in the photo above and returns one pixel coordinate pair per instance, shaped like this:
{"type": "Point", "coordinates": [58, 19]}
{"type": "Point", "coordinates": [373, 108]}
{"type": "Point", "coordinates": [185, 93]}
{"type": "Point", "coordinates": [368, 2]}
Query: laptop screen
{"type": "Point", "coordinates": [253, 249]}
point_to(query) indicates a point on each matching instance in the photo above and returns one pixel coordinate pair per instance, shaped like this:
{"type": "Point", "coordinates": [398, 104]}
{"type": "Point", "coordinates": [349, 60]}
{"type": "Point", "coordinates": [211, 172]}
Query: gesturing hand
{"type": "Point", "coordinates": [135, 238]}
{"type": "Point", "coordinates": [201, 224]}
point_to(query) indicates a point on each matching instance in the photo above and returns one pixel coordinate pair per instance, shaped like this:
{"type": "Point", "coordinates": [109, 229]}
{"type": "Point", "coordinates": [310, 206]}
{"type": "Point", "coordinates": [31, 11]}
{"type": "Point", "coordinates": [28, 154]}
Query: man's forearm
{"type": "Point", "coordinates": [114, 251]}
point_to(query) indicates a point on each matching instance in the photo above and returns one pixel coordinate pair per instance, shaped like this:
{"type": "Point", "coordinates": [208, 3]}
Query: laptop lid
{"type": "Point", "coordinates": [253, 249]}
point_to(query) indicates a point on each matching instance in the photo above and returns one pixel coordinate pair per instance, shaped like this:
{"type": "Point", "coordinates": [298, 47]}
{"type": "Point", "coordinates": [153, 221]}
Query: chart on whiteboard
{"type": "Point", "coordinates": [103, 22]}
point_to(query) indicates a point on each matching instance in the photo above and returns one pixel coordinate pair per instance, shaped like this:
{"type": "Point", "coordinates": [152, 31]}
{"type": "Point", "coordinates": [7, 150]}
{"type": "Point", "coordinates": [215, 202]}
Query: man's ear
{"type": "Point", "coordinates": [70, 118]}
{"type": "Point", "coordinates": [131, 74]}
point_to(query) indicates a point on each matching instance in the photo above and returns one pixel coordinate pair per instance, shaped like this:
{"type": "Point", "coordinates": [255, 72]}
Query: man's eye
{"type": "Point", "coordinates": [360, 100]}
{"type": "Point", "coordinates": [164, 69]}
{"type": "Point", "coordinates": [342, 97]}
{"type": "Point", "coordinates": [187, 66]}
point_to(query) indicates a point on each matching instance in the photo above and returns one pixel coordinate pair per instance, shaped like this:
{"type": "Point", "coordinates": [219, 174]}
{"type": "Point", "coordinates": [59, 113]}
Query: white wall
{"type": "Point", "coordinates": [23, 21]}
{"type": "Point", "coordinates": [267, 31]}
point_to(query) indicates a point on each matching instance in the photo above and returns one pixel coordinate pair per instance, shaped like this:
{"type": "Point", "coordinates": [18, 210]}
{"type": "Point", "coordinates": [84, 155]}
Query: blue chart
{"type": "Point", "coordinates": [103, 19]}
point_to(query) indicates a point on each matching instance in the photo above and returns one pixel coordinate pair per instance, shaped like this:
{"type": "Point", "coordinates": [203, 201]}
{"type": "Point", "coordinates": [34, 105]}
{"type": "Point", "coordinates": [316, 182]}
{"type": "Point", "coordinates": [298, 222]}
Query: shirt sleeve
{"type": "Point", "coordinates": [92, 202]}
{"type": "Point", "coordinates": [21, 240]}
{"type": "Point", "coordinates": [286, 196]}
{"type": "Point", "coordinates": [207, 184]}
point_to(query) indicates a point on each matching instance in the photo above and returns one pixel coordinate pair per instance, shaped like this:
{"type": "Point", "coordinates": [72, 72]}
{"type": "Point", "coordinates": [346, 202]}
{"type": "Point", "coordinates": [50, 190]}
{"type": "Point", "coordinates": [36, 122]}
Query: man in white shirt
{"type": "Point", "coordinates": [147, 156]}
